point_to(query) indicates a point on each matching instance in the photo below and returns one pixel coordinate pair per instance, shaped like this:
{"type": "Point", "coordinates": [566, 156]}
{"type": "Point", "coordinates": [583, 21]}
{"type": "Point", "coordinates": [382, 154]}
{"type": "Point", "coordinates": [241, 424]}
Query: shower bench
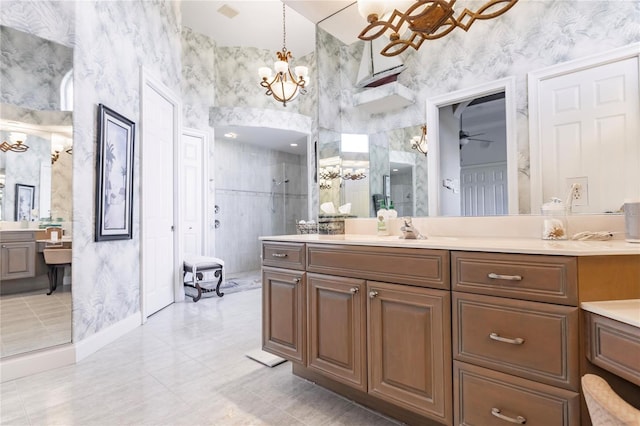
{"type": "Point", "coordinates": [197, 266]}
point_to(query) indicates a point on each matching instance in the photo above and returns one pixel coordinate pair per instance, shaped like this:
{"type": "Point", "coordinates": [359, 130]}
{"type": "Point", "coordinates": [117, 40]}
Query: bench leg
{"type": "Point", "coordinates": [218, 274]}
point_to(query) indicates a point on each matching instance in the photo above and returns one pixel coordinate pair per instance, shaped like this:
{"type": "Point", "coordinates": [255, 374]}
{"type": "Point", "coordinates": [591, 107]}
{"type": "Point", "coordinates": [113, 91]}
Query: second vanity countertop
{"type": "Point", "coordinates": [498, 245]}
{"type": "Point", "coordinates": [626, 311]}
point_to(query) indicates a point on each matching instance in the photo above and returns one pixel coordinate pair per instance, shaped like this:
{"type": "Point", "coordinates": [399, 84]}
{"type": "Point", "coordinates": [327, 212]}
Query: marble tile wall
{"type": "Point", "coordinates": [533, 34]}
{"type": "Point", "coordinates": [251, 203]}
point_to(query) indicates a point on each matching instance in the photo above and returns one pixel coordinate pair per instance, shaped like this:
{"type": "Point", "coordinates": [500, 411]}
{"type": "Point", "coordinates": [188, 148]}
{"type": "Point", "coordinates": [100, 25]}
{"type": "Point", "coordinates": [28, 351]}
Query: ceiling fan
{"type": "Point", "coordinates": [464, 137]}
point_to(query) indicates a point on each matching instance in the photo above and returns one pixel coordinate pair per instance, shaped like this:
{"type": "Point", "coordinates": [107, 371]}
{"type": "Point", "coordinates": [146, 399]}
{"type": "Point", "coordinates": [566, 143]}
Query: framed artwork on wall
{"type": "Point", "coordinates": [114, 192]}
{"type": "Point", "coordinates": [25, 195]}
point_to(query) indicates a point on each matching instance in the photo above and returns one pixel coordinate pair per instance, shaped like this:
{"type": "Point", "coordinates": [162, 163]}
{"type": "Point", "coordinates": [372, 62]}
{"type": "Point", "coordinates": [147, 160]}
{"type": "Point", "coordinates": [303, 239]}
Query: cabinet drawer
{"type": "Point", "coordinates": [539, 278]}
{"type": "Point", "coordinates": [614, 346]}
{"type": "Point", "coordinates": [419, 267]}
{"type": "Point", "coordinates": [481, 396]}
{"type": "Point", "coordinates": [283, 255]}
{"type": "Point", "coordinates": [533, 340]}
{"type": "Point", "coordinates": [14, 236]}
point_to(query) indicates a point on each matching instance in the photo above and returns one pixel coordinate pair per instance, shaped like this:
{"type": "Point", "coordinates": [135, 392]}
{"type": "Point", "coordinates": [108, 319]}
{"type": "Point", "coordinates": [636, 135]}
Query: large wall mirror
{"type": "Point", "coordinates": [36, 99]}
{"type": "Point", "coordinates": [491, 147]}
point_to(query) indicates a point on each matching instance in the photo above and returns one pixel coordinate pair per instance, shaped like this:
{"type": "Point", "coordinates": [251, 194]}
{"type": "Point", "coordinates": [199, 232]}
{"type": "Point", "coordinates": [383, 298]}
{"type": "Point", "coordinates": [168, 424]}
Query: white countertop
{"type": "Point", "coordinates": [626, 311]}
{"type": "Point", "coordinates": [498, 245]}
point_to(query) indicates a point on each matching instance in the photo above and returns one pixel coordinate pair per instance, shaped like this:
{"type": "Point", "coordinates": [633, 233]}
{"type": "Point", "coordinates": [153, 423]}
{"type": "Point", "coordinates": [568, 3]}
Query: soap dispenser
{"type": "Point", "coordinates": [554, 220]}
{"type": "Point", "coordinates": [383, 215]}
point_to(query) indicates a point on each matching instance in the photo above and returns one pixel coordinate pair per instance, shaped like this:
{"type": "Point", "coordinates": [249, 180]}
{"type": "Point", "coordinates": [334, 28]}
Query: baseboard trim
{"type": "Point", "coordinates": [18, 366]}
{"type": "Point", "coordinates": [96, 341]}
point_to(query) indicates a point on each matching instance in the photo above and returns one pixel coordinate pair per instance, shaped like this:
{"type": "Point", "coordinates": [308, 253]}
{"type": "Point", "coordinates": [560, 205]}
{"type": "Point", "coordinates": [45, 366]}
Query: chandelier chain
{"type": "Point", "coordinates": [284, 30]}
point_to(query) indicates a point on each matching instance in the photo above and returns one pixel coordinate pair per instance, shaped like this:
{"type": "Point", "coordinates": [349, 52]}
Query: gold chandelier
{"type": "Point", "coordinates": [285, 85]}
{"type": "Point", "coordinates": [17, 143]}
{"type": "Point", "coordinates": [423, 20]}
{"type": "Point", "coordinates": [419, 143]}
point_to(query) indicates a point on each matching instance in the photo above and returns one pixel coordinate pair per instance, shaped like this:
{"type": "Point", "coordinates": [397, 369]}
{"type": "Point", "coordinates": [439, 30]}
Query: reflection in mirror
{"type": "Point", "coordinates": [35, 100]}
{"type": "Point", "coordinates": [473, 157]}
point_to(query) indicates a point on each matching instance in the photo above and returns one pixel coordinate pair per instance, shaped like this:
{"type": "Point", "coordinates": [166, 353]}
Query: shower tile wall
{"type": "Point", "coordinates": [244, 178]}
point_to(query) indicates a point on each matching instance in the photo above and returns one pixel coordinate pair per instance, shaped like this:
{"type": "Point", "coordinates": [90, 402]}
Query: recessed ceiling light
{"type": "Point", "coordinates": [294, 144]}
{"type": "Point", "coordinates": [230, 135]}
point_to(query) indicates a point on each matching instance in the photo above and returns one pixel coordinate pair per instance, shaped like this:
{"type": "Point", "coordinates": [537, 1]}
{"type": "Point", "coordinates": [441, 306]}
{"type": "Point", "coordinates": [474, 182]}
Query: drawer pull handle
{"type": "Point", "coordinates": [279, 254]}
{"type": "Point", "coordinates": [495, 276]}
{"type": "Point", "coordinates": [516, 341]}
{"type": "Point", "coordinates": [518, 420]}
{"type": "Point", "coordinates": [373, 294]}
{"type": "Point", "coordinates": [354, 290]}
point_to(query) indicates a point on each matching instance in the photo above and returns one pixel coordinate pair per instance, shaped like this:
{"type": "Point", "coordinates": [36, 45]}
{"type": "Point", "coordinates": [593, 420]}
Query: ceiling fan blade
{"type": "Point", "coordinates": [480, 140]}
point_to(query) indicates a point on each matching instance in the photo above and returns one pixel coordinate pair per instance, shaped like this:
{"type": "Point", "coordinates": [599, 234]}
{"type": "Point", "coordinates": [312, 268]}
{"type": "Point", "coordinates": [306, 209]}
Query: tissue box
{"type": "Point", "coordinates": [332, 224]}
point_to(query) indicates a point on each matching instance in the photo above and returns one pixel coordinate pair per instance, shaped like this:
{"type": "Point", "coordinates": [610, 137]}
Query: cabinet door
{"type": "Point", "coordinates": [283, 313]}
{"type": "Point", "coordinates": [18, 260]}
{"type": "Point", "coordinates": [409, 348]}
{"type": "Point", "coordinates": [337, 328]}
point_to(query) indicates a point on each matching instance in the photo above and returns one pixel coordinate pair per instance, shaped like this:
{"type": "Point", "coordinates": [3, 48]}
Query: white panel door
{"type": "Point", "coordinates": [587, 118]}
{"type": "Point", "coordinates": [484, 190]}
{"type": "Point", "coordinates": [193, 199]}
{"type": "Point", "coordinates": [157, 210]}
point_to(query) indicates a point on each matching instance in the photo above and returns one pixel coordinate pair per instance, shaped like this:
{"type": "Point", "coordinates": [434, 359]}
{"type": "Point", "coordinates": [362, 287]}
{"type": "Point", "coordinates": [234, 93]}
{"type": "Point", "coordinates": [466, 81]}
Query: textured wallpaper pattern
{"type": "Point", "coordinates": [28, 62]}
{"type": "Point", "coordinates": [113, 40]}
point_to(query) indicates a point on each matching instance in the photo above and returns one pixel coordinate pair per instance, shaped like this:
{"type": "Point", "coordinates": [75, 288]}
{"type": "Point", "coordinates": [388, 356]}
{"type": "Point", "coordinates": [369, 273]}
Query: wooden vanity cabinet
{"type": "Point", "coordinates": [17, 254]}
{"type": "Point", "coordinates": [337, 328]}
{"type": "Point", "coordinates": [284, 325]}
{"type": "Point", "coordinates": [515, 316]}
{"type": "Point", "coordinates": [409, 348]}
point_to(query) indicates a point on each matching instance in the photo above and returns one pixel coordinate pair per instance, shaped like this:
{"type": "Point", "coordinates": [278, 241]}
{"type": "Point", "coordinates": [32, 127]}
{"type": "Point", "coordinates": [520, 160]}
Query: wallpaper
{"type": "Point", "coordinates": [113, 40]}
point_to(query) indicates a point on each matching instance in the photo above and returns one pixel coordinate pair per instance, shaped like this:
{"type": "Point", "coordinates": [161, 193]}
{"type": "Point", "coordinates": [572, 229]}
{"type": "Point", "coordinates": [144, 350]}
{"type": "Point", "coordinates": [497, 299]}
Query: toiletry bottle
{"type": "Point", "coordinates": [382, 220]}
{"type": "Point", "coordinates": [392, 213]}
{"type": "Point", "coordinates": [554, 220]}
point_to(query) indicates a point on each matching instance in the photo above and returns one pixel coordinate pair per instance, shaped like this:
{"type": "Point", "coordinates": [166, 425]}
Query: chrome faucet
{"type": "Point", "coordinates": [410, 232]}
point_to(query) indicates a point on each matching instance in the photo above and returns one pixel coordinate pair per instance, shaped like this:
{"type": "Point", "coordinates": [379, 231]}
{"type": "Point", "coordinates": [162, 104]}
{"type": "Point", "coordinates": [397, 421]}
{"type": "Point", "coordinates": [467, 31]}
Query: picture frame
{"type": "Point", "coordinates": [25, 197]}
{"type": "Point", "coordinates": [114, 180]}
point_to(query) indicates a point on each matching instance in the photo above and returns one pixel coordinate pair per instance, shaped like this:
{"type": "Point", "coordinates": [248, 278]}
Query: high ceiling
{"type": "Point", "coordinates": [259, 24]}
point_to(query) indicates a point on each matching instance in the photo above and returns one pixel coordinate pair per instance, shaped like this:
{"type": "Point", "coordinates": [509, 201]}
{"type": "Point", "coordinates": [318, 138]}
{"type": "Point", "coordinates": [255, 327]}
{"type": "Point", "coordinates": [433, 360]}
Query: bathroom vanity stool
{"type": "Point", "coordinates": [197, 266]}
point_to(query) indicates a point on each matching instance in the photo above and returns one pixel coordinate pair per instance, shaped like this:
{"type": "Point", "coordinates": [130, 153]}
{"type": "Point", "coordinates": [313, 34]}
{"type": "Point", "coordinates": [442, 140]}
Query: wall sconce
{"type": "Point", "coordinates": [419, 143]}
{"type": "Point", "coordinates": [59, 144]}
{"type": "Point", "coordinates": [17, 143]}
{"type": "Point", "coordinates": [423, 20]}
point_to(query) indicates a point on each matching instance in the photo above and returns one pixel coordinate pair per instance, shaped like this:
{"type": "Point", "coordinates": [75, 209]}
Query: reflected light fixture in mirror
{"type": "Point", "coordinates": [423, 20]}
{"type": "Point", "coordinates": [17, 143]}
{"type": "Point", "coordinates": [419, 143]}
{"type": "Point", "coordinates": [284, 86]}
{"type": "Point", "coordinates": [59, 144]}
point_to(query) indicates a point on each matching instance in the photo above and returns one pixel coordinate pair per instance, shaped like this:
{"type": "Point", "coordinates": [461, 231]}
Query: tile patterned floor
{"type": "Point", "coordinates": [185, 366]}
{"type": "Point", "coordinates": [30, 321]}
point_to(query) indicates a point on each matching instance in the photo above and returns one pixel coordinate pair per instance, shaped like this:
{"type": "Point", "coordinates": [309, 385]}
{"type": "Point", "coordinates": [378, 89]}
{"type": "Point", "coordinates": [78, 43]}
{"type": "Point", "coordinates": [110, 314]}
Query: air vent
{"type": "Point", "coordinates": [228, 11]}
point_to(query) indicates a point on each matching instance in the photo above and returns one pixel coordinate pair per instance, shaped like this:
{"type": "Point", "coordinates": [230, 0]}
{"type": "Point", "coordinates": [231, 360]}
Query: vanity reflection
{"type": "Point", "coordinates": [36, 98]}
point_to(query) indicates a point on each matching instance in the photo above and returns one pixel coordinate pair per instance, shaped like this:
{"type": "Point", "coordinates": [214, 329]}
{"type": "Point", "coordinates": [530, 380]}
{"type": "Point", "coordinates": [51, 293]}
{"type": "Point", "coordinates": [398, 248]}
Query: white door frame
{"type": "Point", "coordinates": [147, 79]}
{"type": "Point", "coordinates": [207, 200]}
{"type": "Point", "coordinates": [508, 85]}
{"type": "Point", "coordinates": [535, 78]}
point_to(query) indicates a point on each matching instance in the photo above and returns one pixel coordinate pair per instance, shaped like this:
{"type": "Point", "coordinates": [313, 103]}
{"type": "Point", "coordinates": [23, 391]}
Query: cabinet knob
{"type": "Point", "coordinates": [373, 294]}
{"type": "Point", "coordinates": [517, 420]}
{"type": "Point", "coordinates": [296, 280]}
{"type": "Point", "coordinates": [353, 290]}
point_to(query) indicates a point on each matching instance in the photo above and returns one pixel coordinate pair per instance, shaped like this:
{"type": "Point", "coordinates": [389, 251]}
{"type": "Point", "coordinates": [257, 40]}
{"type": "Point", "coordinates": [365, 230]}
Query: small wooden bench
{"type": "Point", "coordinates": [197, 266]}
